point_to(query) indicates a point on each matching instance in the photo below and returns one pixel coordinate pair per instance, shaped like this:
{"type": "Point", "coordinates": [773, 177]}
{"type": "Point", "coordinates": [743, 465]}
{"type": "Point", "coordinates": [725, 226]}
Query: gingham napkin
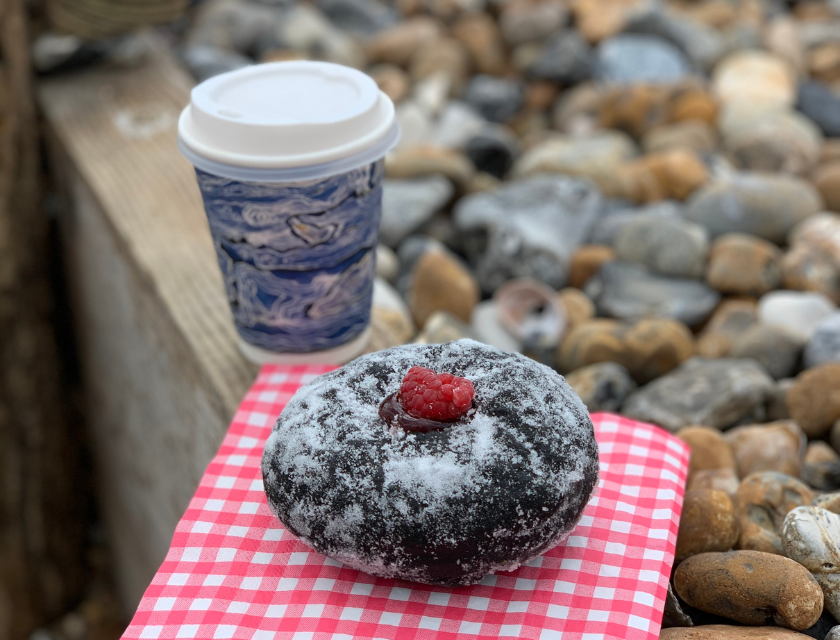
{"type": "Point", "coordinates": [233, 571]}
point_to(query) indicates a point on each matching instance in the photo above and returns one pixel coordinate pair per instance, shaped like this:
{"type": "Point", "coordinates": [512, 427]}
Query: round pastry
{"type": "Point", "coordinates": [433, 463]}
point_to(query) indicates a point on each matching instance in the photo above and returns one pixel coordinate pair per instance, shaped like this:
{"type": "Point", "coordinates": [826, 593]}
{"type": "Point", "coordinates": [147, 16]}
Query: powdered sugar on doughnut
{"type": "Point", "coordinates": [443, 507]}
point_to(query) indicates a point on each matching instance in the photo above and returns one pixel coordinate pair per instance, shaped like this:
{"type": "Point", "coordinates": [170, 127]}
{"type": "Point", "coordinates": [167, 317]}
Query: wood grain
{"type": "Point", "coordinates": [118, 128]}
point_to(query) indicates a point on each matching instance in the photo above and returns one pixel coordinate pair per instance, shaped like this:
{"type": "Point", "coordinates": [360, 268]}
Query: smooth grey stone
{"type": "Point", "coordinates": [772, 347]}
{"type": "Point", "coordinates": [616, 218]}
{"type": "Point", "coordinates": [718, 393]}
{"type": "Point", "coordinates": [497, 99]}
{"type": "Point", "coordinates": [630, 58]}
{"type": "Point", "coordinates": [824, 345]}
{"type": "Point", "coordinates": [407, 204]}
{"type": "Point", "coordinates": [701, 44]}
{"type": "Point", "coordinates": [487, 327]}
{"type": "Point", "coordinates": [834, 633]}
{"type": "Point", "coordinates": [565, 58]}
{"type": "Point", "coordinates": [360, 17]}
{"type": "Point", "coordinates": [492, 151]}
{"type": "Point", "coordinates": [205, 62]}
{"type": "Point", "coordinates": [458, 122]}
{"type": "Point", "coordinates": [629, 291]}
{"type": "Point", "coordinates": [674, 616]}
{"type": "Point", "coordinates": [602, 386]}
{"type": "Point", "coordinates": [767, 206]}
{"type": "Point", "coordinates": [527, 228]}
{"type": "Point", "coordinates": [822, 105]}
{"type": "Point", "coordinates": [668, 245]}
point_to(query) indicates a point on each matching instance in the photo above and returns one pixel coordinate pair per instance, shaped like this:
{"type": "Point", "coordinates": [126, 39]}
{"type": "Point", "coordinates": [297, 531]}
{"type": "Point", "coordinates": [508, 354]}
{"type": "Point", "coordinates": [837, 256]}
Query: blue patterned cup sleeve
{"type": "Point", "coordinates": [298, 259]}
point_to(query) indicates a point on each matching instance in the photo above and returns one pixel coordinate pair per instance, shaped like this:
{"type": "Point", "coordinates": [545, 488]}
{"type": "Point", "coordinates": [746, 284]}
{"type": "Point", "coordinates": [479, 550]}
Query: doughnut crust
{"type": "Point", "coordinates": [445, 507]}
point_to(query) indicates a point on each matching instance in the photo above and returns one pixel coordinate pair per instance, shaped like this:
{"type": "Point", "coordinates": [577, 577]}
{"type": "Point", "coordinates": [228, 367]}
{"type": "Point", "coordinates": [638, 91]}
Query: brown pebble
{"type": "Point", "coordinates": [648, 348]}
{"type": "Point", "coordinates": [725, 480]}
{"type": "Point", "coordinates": [730, 321]}
{"type": "Point", "coordinates": [751, 587]}
{"type": "Point", "coordinates": [578, 306]}
{"type": "Point", "coordinates": [814, 399]}
{"type": "Point", "coordinates": [709, 449]}
{"type": "Point", "coordinates": [391, 80]}
{"type": "Point", "coordinates": [744, 265]}
{"type": "Point", "coordinates": [827, 181]}
{"type": "Point", "coordinates": [761, 503]}
{"type": "Point", "coordinates": [819, 451]}
{"type": "Point", "coordinates": [727, 632]}
{"type": "Point", "coordinates": [828, 501]}
{"type": "Point", "coordinates": [777, 446]}
{"type": "Point", "coordinates": [707, 523]}
{"type": "Point", "coordinates": [439, 282]}
{"type": "Point", "coordinates": [586, 261]}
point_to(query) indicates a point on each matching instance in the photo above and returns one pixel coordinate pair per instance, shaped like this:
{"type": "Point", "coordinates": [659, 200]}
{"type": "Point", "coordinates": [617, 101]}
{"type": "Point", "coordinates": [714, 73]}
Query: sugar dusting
{"type": "Point", "coordinates": [444, 507]}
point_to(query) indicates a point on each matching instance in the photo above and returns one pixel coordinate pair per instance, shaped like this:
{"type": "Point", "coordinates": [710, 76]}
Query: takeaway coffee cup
{"type": "Point", "coordinates": [289, 161]}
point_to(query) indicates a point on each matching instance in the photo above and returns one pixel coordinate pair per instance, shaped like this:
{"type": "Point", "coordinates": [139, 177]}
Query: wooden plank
{"type": "Point", "coordinates": [118, 128]}
{"type": "Point", "coordinates": [162, 369]}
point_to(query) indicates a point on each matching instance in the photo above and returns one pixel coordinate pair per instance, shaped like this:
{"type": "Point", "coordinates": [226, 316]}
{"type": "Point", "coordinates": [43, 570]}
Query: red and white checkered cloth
{"type": "Point", "coordinates": [233, 571]}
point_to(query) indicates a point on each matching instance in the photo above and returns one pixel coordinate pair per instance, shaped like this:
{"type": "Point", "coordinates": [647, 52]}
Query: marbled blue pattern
{"type": "Point", "coordinates": [298, 259]}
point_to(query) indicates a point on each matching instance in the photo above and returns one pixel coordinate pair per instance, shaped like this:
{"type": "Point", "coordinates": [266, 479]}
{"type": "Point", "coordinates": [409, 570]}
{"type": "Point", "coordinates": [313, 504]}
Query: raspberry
{"type": "Point", "coordinates": [435, 396]}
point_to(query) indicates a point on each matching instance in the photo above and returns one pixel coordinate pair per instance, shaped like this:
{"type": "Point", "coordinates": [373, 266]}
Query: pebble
{"type": "Point", "coordinates": [532, 225]}
{"type": "Point", "coordinates": [611, 222]}
{"type": "Point", "coordinates": [707, 523]}
{"type": "Point", "coordinates": [597, 157]}
{"type": "Point", "coordinates": [813, 400]}
{"type": "Point", "coordinates": [828, 501]}
{"type": "Point", "coordinates": [480, 34]}
{"type": "Point", "coordinates": [744, 265]}
{"type": "Point", "coordinates": [809, 536]}
{"type": "Point", "coordinates": [725, 480]}
{"type": "Point", "coordinates": [827, 181]}
{"type": "Point", "coordinates": [387, 263]}
{"type": "Point", "coordinates": [726, 632]}
{"type": "Point", "coordinates": [821, 467]}
{"type": "Point", "coordinates": [696, 135]}
{"type": "Point", "coordinates": [524, 21]}
{"type": "Point", "coordinates": [674, 173]}
{"type": "Point", "coordinates": [819, 451]}
{"type": "Point", "coordinates": [206, 61]}
{"type": "Point", "coordinates": [407, 204]}
{"type": "Point", "coordinates": [761, 503]}
{"type": "Point", "coordinates": [629, 58]}
{"type": "Point", "coordinates": [773, 141]}
{"type": "Point", "coordinates": [833, 634]}
{"type": "Point", "coordinates": [716, 393]}
{"type": "Point", "coordinates": [576, 305]}
{"type": "Point", "coordinates": [420, 161]}
{"type": "Point", "coordinates": [531, 312]}
{"type": "Point", "coordinates": [647, 348]}
{"type": "Point", "coordinates": [457, 124]}
{"type": "Point", "coordinates": [438, 281]}
{"type": "Point", "coordinates": [673, 614]}
{"type": "Point", "coordinates": [305, 29]}
{"type": "Point", "coordinates": [586, 262]}
{"type": "Point", "coordinates": [391, 80]}
{"type": "Point", "coordinates": [635, 108]}
{"type": "Point", "coordinates": [492, 151]}
{"type": "Point", "coordinates": [771, 346]}
{"type": "Point", "coordinates": [600, 19]}
{"type": "Point", "coordinates": [576, 111]}
{"type": "Point", "coordinates": [798, 312]}
{"type": "Point", "coordinates": [668, 246]}
{"type": "Point", "coordinates": [821, 104]}
{"type": "Point", "coordinates": [602, 386]}
{"type": "Point", "coordinates": [496, 99]}
{"type": "Point", "coordinates": [824, 345]}
{"type": "Point", "coordinates": [702, 45]}
{"type": "Point", "coordinates": [813, 262]}
{"type": "Point", "coordinates": [760, 205]}
{"type": "Point", "coordinates": [565, 58]}
{"type": "Point", "coordinates": [442, 55]}
{"type": "Point", "coordinates": [755, 77]}
{"type": "Point", "coordinates": [709, 449]}
{"type": "Point", "coordinates": [751, 587]}
{"type": "Point", "coordinates": [399, 43]}
{"type": "Point", "coordinates": [630, 291]}
{"type": "Point", "coordinates": [487, 327]}
{"type": "Point", "coordinates": [390, 315]}
{"type": "Point", "coordinates": [442, 327]}
{"type": "Point", "coordinates": [777, 402]}
{"type": "Point", "coordinates": [730, 321]}
{"type": "Point", "coordinates": [363, 18]}
{"type": "Point", "coordinates": [775, 446]}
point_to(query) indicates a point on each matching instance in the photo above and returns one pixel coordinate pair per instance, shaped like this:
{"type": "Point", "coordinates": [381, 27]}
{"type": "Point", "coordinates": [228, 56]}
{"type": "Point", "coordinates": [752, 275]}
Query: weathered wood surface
{"type": "Point", "coordinates": [162, 369]}
{"type": "Point", "coordinates": [42, 492]}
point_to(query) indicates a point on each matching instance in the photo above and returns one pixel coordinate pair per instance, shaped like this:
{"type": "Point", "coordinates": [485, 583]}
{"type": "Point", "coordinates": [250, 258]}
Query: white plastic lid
{"type": "Point", "coordinates": [287, 115]}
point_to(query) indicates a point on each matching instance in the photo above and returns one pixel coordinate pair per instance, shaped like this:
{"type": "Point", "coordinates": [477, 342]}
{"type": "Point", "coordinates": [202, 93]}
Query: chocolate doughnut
{"type": "Point", "coordinates": [485, 493]}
